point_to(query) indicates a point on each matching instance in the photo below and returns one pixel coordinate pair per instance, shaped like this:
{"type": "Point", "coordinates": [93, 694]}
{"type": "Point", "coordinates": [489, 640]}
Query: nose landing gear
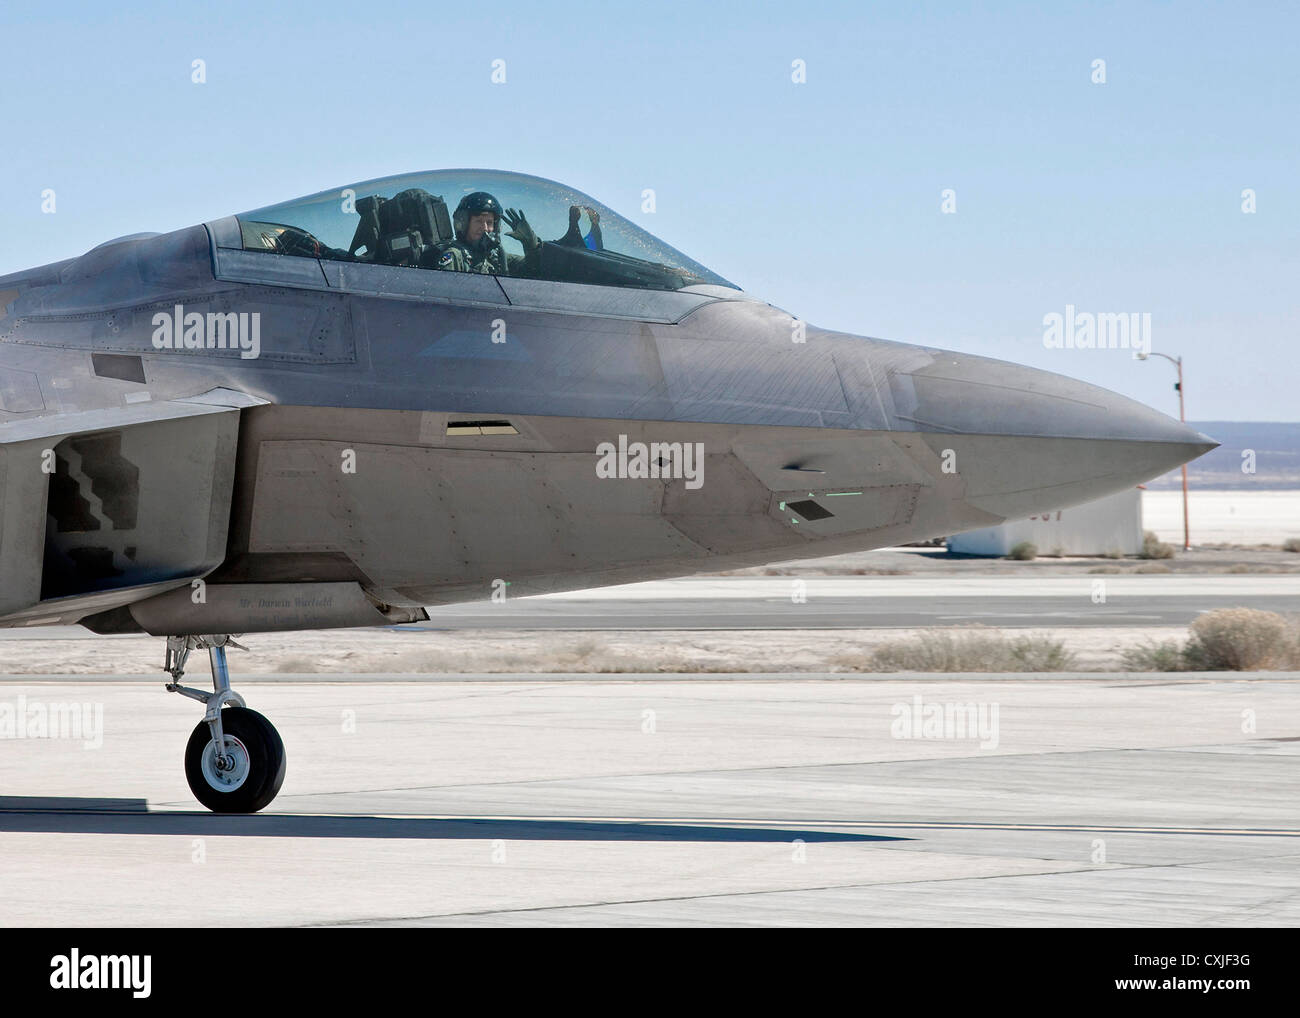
{"type": "Point", "coordinates": [234, 761]}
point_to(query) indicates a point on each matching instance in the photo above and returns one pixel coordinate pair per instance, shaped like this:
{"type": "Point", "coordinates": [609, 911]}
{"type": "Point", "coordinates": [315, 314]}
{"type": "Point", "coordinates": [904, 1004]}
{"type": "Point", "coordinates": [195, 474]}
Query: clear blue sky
{"type": "Point", "coordinates": [823, 198]}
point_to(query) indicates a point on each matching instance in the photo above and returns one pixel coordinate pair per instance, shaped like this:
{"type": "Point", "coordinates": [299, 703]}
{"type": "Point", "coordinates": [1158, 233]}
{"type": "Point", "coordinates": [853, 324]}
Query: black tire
{"type": "Point", "coordinates": [265, 758]}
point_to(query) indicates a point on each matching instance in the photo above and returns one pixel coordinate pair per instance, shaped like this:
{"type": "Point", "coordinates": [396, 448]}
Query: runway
{"type": "Point", "coordinates": [880, 602]}
{"type": "Point", "coordinates": [851, 602]}
{"type": "Point", "coordinates": [669, 800]}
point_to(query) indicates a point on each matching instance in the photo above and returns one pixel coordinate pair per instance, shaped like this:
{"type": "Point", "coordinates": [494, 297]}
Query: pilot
{"type": "Point", "coordinates": [477, 247]}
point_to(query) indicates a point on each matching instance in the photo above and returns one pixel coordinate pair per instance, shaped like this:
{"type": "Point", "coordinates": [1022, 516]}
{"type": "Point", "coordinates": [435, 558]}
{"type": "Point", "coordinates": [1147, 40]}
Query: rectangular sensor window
{"type": "Point", "coordinates": [810, 510]}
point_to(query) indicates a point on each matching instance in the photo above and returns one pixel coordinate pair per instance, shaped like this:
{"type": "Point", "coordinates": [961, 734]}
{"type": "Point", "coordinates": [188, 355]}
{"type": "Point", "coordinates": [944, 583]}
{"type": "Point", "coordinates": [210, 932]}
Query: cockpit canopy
{"type": "Point", "coordinates": [411, 221]}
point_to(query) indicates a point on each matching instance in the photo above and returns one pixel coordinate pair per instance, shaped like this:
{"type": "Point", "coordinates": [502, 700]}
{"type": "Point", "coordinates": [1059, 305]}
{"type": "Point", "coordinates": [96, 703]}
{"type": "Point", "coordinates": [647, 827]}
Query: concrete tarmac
{"type": "Point", "coordinates": [854, 602]}
{"type": "Point", "coordinates": [843, 613]}
{"type": "Point", "coordinates": [880, 602]}
{"type": "Point", "coordinates": [666, 800]}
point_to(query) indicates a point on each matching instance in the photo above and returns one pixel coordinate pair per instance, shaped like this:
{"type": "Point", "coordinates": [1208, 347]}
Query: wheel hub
{"type": "Point", "coordinates": [229, 770]}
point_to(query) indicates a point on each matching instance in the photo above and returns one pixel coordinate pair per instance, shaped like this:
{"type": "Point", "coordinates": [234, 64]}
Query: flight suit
{"type": "Point", "coordinates": [457, 256]}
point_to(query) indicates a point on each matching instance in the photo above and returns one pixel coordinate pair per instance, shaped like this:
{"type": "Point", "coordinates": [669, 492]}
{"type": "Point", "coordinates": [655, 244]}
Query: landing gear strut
{"type": "Point", "coordinates": [234, 761]}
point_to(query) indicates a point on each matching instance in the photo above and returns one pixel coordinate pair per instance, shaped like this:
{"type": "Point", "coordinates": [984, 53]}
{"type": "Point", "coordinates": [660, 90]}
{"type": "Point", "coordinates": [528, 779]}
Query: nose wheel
{"type": "Point", "coordinates": [234, 761]}
{"type": "Point", "coordinates": [246, 774]}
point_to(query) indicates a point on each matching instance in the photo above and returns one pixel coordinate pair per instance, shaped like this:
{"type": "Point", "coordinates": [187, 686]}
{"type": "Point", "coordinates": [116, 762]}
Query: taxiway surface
{"type": "Point", "coordinates": [653, 800]}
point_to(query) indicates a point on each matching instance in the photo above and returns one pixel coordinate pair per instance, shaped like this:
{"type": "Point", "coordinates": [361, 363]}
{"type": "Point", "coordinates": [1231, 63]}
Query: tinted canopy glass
{"type": "Point", "coordinates": [484, 221]}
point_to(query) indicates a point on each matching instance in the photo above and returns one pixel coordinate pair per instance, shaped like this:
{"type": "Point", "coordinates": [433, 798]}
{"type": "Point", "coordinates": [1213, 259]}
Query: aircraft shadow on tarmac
{"type": "Point", "coordinates": [58, 815]}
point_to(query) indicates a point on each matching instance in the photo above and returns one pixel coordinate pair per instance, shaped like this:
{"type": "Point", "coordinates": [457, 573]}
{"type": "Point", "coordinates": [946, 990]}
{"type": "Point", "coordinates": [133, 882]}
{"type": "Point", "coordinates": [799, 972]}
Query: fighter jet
{"type": "Point", "coordinates": [348, 408]}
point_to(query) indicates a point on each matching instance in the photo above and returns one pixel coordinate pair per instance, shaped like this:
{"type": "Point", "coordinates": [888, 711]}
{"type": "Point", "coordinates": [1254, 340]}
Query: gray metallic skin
{"type": "Point", "coordinates": [177, 465]}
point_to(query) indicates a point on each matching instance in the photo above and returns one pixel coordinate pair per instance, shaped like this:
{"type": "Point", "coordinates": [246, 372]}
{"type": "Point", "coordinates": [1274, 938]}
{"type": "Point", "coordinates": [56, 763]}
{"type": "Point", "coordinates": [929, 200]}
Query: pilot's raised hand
{"type": "Point", "coordinates": [519, 229]}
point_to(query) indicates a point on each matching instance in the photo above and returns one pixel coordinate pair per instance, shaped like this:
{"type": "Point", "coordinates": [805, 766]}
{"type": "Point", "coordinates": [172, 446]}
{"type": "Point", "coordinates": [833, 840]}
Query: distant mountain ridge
{"type": "Point", "coordinates": [1276, 448]}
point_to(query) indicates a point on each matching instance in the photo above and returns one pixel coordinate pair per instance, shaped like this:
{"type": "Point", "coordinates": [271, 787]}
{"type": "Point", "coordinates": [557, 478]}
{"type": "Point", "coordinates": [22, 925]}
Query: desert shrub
{"type": "Point", "coordinates": [1291, 544]}
{"type": "Point", "coordinates": [1230, 639]}
{"type": "Point", "coordinates": [1041, 654]}
{"type": "Point", "coordinates": [1024, 551]}
{"type": "Point", "coordinates": [971, 650]}
{"type": "Point", "coordinates": [1150, 656]}
{"type": "Point", "coordinates": [1153, 547]}
{"type": "Point", "coordinates": [1113, 553]}
{"type": "Point", "coordinates": [1239, 639]}
{"type": "Point", "coordinates": [943, 650]}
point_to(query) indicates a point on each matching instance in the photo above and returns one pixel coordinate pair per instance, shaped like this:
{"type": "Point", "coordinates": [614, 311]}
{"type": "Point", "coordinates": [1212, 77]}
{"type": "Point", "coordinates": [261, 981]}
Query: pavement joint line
{"type": "Point", "coordinates": [1247, 909]}
{"type": "Point", "coordinates": [1074, 868]}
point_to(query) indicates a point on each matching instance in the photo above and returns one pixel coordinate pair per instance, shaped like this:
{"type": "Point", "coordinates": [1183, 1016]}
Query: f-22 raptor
{"type": "Point", "coordinates": [344, 409]}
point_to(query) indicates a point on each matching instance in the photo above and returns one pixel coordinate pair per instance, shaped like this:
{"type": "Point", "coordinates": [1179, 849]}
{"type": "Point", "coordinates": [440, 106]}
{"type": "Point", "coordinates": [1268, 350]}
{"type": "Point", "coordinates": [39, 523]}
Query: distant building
{"type": "Point", "coordinates": [1094, 528]}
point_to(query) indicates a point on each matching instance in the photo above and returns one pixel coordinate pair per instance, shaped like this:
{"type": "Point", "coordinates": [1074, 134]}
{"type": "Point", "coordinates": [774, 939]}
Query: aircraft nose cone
{"type": "Point", "coordinates": [964, 393]}
{"type": "Point", "coordinates": [1046, 441]}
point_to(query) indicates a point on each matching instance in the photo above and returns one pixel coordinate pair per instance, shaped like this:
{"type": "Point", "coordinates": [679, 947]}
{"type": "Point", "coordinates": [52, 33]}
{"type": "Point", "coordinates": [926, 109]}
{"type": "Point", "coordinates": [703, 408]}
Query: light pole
{"type": "Point", "coordinates": [1182, 416]}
